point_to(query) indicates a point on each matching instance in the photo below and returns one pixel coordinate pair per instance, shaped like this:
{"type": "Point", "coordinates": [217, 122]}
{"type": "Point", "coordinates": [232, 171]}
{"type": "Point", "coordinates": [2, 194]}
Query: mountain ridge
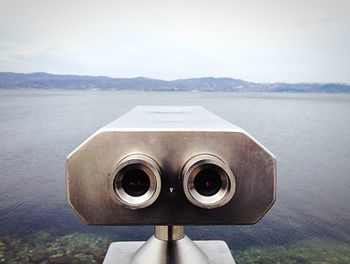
{"type": "Point", "coordinates": [43, 80]}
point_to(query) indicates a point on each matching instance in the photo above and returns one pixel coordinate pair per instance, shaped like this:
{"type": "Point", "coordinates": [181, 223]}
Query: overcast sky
{"type": "Point", "coordinates": [263, 41]}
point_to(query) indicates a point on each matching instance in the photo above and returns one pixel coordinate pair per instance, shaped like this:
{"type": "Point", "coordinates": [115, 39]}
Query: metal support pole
{"type": "Point", "coordinates": [169, 233]}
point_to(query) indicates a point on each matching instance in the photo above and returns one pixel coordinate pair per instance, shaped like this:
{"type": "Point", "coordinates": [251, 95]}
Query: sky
{"type": "Point", "coordinates": [260, 41]}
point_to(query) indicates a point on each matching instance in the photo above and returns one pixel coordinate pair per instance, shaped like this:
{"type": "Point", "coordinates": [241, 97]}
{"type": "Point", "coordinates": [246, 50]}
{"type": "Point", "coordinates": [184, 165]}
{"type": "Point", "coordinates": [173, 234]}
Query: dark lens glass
{"type": "Point", "coordinates": [135, 182]}
{"type": "Point", "coordinates": [207, 182]}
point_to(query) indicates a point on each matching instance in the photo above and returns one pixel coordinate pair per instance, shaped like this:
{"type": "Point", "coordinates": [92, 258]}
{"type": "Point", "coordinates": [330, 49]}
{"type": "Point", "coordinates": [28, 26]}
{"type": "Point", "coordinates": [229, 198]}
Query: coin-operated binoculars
{"type": "Point", "coordinates": [170, 167]}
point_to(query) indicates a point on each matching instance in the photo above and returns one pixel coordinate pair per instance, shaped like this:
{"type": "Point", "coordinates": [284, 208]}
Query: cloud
{"type": "Point", "coordinates": [255, 40]}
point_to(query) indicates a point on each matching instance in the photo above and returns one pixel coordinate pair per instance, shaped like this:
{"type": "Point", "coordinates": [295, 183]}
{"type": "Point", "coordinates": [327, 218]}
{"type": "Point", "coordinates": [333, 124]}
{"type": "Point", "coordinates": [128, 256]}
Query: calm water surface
{"type": "Point", "coordinates": [308, 133]}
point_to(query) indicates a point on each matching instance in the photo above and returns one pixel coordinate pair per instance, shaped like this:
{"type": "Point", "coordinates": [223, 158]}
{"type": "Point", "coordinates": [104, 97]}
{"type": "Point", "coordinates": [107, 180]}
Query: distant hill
{"type": "Point", "coordinates": [39, 80]}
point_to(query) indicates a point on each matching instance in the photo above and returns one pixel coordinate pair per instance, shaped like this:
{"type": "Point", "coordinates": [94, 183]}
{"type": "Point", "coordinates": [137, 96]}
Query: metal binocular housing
{"type": "Point", "coordinates": [171, 166]}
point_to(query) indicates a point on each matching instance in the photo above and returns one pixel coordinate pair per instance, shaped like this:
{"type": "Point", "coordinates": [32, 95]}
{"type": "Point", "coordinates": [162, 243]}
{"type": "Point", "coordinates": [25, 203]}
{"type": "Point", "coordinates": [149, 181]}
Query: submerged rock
{"type": "Point", "coordinates": [44, 248]}
{"type": "Point", "coordinates": [37, 257]}
{"type": "Point", "coordinates": [63, 260]}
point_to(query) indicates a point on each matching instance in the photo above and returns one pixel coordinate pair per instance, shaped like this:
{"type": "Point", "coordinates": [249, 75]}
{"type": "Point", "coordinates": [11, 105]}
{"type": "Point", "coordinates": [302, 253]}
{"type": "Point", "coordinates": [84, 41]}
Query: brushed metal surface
{"type": "Point", "coordinates": [182, 251]}
{"type": "Point", "coordinates": [121, 252]}
{"type": "Point", "coordinates": [171, 136]}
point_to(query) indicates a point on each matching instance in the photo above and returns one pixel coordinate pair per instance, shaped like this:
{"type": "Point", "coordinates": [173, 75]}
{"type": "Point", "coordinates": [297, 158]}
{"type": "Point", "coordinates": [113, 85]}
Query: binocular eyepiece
{"type": "Point", "coordinates": [207, 181]}
{"type": "Point", "coordinates": [136, 182]}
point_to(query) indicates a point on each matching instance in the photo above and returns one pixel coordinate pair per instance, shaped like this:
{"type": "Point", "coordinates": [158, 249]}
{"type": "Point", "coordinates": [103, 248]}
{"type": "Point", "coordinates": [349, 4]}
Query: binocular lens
{"type": "Point", "coordinates": [207, 182]}
{"type": "Point", "coordinates": [135, 182]}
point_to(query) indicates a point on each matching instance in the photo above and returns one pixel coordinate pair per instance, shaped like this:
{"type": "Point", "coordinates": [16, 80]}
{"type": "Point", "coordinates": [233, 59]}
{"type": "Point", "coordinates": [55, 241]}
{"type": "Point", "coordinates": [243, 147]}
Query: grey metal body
{"type": "Point", "coordinates": [172, 146]}
{"type": "Point", "coordinates": [171, 136]}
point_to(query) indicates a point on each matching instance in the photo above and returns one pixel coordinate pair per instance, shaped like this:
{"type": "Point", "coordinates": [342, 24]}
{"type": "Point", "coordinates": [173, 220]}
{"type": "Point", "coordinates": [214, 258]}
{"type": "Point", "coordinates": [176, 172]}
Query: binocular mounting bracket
{"type": "Point", "coordinates": [169, 245]}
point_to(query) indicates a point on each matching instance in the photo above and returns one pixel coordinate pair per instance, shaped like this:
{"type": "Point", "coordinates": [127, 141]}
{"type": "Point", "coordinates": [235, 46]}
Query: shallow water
{"type": "Point", "coordinates": [308, 133]}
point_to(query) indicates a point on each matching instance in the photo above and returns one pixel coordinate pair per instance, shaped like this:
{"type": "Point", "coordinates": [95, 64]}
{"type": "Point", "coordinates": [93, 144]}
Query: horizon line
{"type": "Point", "coordinates": [174, 80]}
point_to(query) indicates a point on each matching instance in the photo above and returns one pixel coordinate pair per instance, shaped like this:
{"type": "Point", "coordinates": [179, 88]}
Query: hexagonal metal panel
{"type": "Point", "coordinates": [170, 136]}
